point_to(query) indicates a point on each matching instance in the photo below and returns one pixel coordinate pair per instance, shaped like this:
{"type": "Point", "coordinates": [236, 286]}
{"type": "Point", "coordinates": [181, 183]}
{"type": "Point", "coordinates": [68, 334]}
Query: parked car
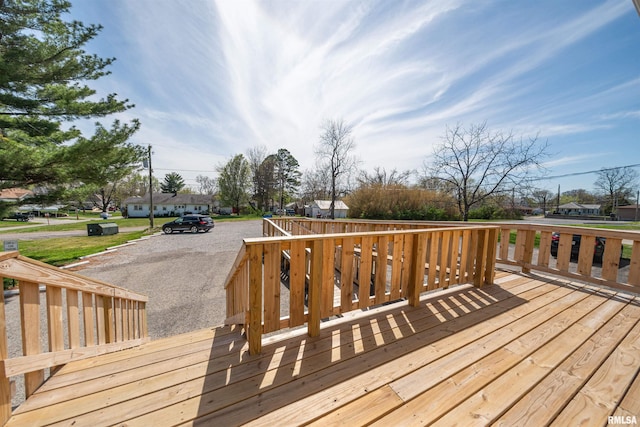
{"type": "Point", "coordinates": [20, 216]}
{"type": "Point", "coordinates": [598, 249]}
{"type": "Point", "coordinates": [192, 223]}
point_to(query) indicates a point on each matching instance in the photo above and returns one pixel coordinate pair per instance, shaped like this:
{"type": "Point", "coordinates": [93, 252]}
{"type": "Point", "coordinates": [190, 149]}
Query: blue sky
{"type": "Point", "coordinates": [211, 79]}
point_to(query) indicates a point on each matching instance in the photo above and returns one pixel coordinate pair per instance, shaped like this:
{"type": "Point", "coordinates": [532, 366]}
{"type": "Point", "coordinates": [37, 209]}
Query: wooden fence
{"type": "Point", "coordinates": [83, 317]}
{"type": "Point", "coordinates": [331, 274]}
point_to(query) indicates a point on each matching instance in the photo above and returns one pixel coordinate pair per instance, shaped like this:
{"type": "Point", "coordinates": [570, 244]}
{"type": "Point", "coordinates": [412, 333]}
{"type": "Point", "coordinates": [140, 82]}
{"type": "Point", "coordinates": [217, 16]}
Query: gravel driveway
{"type": "Point", "coordinates": [182, 273]}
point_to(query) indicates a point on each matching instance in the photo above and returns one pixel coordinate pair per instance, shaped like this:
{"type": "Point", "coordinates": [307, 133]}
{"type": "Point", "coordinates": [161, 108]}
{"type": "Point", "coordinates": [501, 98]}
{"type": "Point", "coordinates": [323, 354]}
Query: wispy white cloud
{"type": "Point", "coordinates": [221, 77]}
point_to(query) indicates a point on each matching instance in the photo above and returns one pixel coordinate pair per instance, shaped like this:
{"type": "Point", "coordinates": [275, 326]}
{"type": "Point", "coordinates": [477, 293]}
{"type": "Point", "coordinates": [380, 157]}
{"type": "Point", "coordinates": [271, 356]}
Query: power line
{"type": "Point", "coordinates": [584, 173]}
{"type": "Point", "coordinates": [182, 170]}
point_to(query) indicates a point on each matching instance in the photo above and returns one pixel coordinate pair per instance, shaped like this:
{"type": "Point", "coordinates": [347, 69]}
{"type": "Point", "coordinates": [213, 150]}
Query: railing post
{"type": "Point", "coordinates": [480, 258]}
{"type": "Point", "coordinates": [254, 331]}
{"type": "Point", "coordinates": [315, 287]}
{"type": "Point", "coordinates": [490, 267]}
{"type": "Point", "coordinates": [5, 384]}
{"type": "Point", "coordinates": [416, 282]}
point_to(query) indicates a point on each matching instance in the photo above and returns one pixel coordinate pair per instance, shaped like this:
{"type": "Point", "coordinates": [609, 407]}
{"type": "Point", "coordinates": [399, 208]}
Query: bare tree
{"type": "Point", "coordinates": [479, 163]}
{"type": "Point", "coordinates": [542, 197]}
{"type": "Point", "coordinates": [316, 184]}
{"type": "Point", "coordinates": [206, 185]}
{"type": "Point", "coordinates": [334, 152]}
{"type": "Point", "coordinates": [380, 176]}
{"type": "Point", "coordinates": [617, 185]}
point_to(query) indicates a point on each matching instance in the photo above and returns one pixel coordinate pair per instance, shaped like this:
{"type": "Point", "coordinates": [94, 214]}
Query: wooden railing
{"type": "Point", "coordinates": [530, 249]}
{"type": "Point", "coordinates": [304, 226]}
{"type": "Point", "coordinates": [84, 317]}
{"type": "Point", "coordinates": [331, 274]}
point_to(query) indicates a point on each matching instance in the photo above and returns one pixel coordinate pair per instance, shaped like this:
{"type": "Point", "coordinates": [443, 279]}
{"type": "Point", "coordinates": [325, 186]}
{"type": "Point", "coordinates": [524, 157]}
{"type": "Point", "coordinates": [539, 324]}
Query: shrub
{"type": "Point", "coordinates": [399, 202]}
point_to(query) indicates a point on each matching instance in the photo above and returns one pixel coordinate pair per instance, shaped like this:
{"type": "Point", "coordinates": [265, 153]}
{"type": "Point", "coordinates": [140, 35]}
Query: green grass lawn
{"type": "Point", "coordinates": [80, 225]}
{"type": "Point", "coordinates": [66, 250]}
{"type": "Point", "coordinates": [60, 251]}
{"type": "Point", "coordinates": [7, 226]}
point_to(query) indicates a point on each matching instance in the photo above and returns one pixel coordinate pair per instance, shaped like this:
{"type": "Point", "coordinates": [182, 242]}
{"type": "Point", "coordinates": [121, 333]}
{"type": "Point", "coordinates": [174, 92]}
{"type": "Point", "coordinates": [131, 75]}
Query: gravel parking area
{"type": "Point", "coordinates": [182, 273]}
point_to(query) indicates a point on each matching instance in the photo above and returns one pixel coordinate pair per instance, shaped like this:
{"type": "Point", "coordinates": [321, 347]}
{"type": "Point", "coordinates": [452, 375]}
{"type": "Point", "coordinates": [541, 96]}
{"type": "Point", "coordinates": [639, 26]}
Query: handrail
{"type": "Point", "coordinates": [100, 318]}
{"type": "Point", "coordinates": [331, 274]}
{"type": "Point", "coordinates": [613, 270]}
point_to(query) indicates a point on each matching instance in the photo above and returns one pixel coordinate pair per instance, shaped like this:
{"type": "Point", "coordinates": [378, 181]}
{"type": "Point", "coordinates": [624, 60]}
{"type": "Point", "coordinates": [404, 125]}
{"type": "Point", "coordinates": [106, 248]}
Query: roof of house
{"type": "Point", "coordinates": [14, 194]}
{"type": "Point", "coordinates": [326, 204]}
{"type": "Point", "coordinates": [172, 199]}
{"type": "Point", "coordinates": [628, 207]}
{"type": "Point", "coordinates": [574, 205]}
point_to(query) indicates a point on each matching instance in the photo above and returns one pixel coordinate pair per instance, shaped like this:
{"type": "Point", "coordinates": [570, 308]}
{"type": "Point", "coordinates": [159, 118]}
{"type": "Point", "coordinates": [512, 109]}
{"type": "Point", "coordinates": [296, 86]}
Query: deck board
{"type": "Point", "coordinates": [465, 356]}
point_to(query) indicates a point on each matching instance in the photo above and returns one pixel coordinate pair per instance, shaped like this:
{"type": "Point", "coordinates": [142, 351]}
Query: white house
{"type": "Point", "coordinates": [579, 209]}
{"type": "Point", "coordinates": [168, 204]}
{"type": "Point", "coordinates": [321, 209]}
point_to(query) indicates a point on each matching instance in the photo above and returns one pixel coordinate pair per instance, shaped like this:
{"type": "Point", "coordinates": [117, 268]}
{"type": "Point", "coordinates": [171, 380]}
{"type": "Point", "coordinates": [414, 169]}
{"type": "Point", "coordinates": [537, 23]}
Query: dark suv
{"type": "Point", "coordinates": [598, 249]}
{"type": "Point", "coordinates": [192, 223]}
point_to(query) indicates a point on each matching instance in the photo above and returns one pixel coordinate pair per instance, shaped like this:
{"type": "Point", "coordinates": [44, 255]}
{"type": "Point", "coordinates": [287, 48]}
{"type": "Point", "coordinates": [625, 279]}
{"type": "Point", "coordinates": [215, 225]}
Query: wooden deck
{"type": "Point", "coordinates": [528, 350]}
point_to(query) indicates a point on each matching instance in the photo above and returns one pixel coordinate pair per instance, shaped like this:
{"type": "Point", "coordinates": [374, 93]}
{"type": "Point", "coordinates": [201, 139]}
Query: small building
{"type": "Point", "coordinates": [628, 213]}
{"type": "Point", "coordinates": [168, 205]}
{"type": "Point", "coordinates": [322, 209]}
{"type": "Point", "coordinates": [577, 209]}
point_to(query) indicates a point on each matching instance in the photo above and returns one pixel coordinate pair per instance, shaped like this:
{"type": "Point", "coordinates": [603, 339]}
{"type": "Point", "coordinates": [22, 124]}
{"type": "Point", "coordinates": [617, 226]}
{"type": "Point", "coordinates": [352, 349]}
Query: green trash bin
{"type": "Point", "coordinates": [94, 230]}
{"type": "Point", "coordinates": [102, 229]}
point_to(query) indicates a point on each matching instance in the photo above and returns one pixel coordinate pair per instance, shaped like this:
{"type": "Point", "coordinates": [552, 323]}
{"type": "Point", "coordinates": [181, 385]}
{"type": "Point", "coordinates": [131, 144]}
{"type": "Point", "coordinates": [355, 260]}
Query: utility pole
{"type": "Point", "coordinates": [150, 190]}
{"type": "Point", "coordinates": [637, 197]}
